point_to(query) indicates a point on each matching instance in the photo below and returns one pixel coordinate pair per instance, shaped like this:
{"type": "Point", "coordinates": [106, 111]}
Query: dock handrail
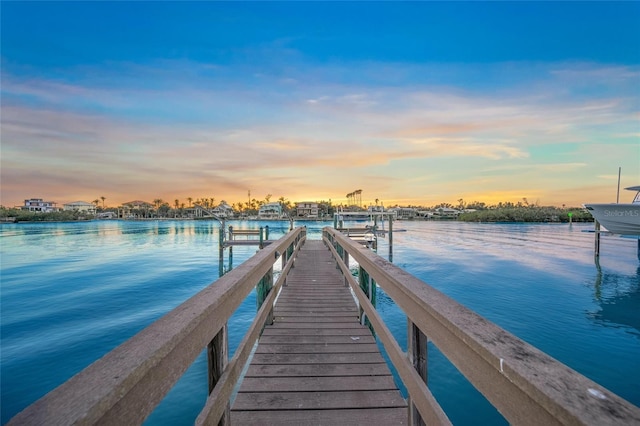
{"type": "Point", "coordinates": [524, 384]}
{"type": "Point", "coordinates": [126, 385]}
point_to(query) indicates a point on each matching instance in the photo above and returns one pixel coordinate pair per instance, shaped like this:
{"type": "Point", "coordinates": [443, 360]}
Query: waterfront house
{"type": "Point", "coordinates": [80, 206]}
{"type": "Point", "coordinates": [198, 211]}
{"type": "Point", "coordinates": [406, 213]}
{"type": "Point", "coordinates": [223, 210]}
{"type": "Point", "coordinates": [446, 213]}
{"type": "Point", "coordinates": [39, 205]}
{"type": "Point", "coordinates": [307, 209]}
{"type": "Point", "coordinates": [270, 211]}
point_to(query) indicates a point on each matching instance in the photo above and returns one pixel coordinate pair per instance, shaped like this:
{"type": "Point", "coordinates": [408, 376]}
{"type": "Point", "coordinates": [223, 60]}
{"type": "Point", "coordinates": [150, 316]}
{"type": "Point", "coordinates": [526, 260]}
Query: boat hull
{"type": "Point", "coordinates": [623, 219]}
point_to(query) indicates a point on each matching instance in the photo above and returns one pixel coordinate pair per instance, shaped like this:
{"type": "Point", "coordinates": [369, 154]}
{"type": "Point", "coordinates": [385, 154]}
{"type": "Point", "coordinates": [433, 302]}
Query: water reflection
{"type": "Point", "coordinates": [618, 297]}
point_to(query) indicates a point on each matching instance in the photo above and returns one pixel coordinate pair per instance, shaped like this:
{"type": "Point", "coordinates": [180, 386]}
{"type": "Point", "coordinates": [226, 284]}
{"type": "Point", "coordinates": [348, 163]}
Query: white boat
{"type": "Point", "coordinates": [619, 218]}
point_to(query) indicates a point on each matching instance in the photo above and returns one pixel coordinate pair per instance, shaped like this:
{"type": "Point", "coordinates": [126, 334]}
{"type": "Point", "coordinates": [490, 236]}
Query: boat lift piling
{"type": "Point", "coordinates": [230, 241]}
{"type": "Point", "coordinates": [596, 247]}
{"type": "Point", "coordinates": [370, 233]}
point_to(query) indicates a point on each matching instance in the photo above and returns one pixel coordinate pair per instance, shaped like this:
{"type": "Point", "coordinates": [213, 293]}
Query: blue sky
{"type": "Point", "coordinates": [414, 103]}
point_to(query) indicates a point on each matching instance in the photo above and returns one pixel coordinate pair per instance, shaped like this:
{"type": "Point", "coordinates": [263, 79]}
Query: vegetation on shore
{"type": "Point", "coordinates": [527, 214]}
{"type": "Point", "coordinates": [18, 215]}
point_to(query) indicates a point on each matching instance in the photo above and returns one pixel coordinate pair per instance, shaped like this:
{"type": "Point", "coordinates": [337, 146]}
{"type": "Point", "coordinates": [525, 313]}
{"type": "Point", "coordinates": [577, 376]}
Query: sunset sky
{"type": "Point", "coordinates": [413, 103]}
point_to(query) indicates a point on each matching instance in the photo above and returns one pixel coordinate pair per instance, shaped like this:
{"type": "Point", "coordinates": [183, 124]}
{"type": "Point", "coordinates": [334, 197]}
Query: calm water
{"type": "Point", "coordinates": [71, 292]}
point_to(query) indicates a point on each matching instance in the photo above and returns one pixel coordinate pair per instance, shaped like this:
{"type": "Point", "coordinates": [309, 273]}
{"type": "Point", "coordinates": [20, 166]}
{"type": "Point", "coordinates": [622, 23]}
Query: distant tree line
{"type": "Point", "coordinates": [527, 214]}
{"type": "Point", "coordinates": [19, 215]}
{"type": "Point", "coordinates": [475, 211]}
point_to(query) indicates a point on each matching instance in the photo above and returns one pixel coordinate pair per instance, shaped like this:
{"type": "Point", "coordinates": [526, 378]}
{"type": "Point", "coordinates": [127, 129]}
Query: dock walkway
{"type": "Point", "coordinates": [316, 364]}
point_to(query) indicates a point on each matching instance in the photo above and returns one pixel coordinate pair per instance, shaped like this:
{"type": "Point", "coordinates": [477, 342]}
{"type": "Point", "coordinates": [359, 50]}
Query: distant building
{"type": "Point", "coordinates": [39, 205]}
{"type": "Point", "coordinates": [404, 212]}
{"type": "Point", "coordinates": [80, 206]}
{"type": "Point", "coordinates": [137, 204]}
{"type": "Point", "coordinates": [270, 211]}
{"type": "Point", "coordinates": [307, 209]}
{"type": "Point", "coordinates": [446, 212]}
{"type": "Point", "coordinates": [197, 211]}
{"type": "Point", "coordinates": [223, 210]}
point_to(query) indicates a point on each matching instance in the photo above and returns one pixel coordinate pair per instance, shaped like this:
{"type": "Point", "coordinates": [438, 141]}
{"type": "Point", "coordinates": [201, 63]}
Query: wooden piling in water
{"type": "Point", "coordinates": [597, 241]}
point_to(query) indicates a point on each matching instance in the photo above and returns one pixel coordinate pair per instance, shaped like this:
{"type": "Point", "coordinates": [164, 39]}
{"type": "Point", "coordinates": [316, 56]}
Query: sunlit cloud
{"type": "Point", "coordinates": [193, 128]}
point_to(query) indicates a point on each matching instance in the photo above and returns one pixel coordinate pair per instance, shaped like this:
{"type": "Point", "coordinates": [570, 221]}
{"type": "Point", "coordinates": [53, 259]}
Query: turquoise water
{"type": "Point", "coordinates": [70, 292]}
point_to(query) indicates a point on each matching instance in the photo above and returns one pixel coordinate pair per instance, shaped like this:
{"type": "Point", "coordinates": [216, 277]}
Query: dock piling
{"type": "Point", "coordinates": [597, 241]}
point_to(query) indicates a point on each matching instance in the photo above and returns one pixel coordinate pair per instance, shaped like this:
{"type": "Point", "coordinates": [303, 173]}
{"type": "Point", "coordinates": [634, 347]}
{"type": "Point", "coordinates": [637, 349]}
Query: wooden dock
{"type": "Point", "coordinates": [316, 364]}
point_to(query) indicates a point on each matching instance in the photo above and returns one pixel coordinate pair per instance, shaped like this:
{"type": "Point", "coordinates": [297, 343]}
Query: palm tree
{"type": "Point", "coordinates": [189, 199]}
{"type": "Point", "coordinates": [157, 203]}
{"type": "Point", "coordinates": [103, 198]}
{"type": "Point", "coordinates": [96, 202]}
{"type": "Point", "coordinates": [176, 204]}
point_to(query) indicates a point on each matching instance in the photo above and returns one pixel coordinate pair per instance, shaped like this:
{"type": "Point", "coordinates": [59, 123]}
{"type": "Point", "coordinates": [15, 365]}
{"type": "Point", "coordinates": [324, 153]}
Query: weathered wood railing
{"type": "Point", "coordinates": [526, 385]}
{"type": "Point", "coordinates": [126, 385]}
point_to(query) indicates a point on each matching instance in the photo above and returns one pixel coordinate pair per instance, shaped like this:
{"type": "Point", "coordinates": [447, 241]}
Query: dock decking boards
{"type": "Point", "coordinates": [316, 365]}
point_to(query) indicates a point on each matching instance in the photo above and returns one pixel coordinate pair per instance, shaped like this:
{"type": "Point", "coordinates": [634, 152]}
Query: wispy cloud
{"type": "Point", "coordinates": [210, 131]}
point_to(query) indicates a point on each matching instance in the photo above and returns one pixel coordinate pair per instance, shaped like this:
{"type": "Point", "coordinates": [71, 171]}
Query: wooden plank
{"type": "Point", "coordinates": [293, 324]}
{"type": "Point", "coordinates": [279, 331]}
{"type": "Point", "coordinates": [302, 310]}
{"type": "Point", "coordinates": [318, 400]}
{"type": "Point", "coordinates": [285, 302]}
{"type": "Point", "coordinates": [319, 383]}
{"type": "Point", "coordinates": [317, 340]}
{"type": "Point", "coordinates": [354, 417]}
{"type": "Point", "coordinates": [317, 295]}
{"type": "Point", "coordinates": [353, 358]}
{"type": "Point", "coordinates": [317, 348]}
{"type": "Point", "coordinates": [303, 307]}
{"type": "Point", "coordinates": [311, 320]}
{"type": "Point", "coordinates": [314, 370]}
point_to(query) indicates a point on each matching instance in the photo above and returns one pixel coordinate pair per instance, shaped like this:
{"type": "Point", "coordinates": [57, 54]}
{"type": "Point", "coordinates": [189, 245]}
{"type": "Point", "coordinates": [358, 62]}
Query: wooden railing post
{"type": "Point", "coordinates": [368, 286]}
{"type": "Point", "coordinates": [345, 259]}
{"type": "Point", "coordinates": [218, 358]}
{"type": "Point", "coordinates": [261, 239]}
{"type": "Point", "coordinates": [417, 353]}
{"type": "Point", "coordinates": [285, 257]}
{"type": "Point", "coordinates": [263, 288]}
